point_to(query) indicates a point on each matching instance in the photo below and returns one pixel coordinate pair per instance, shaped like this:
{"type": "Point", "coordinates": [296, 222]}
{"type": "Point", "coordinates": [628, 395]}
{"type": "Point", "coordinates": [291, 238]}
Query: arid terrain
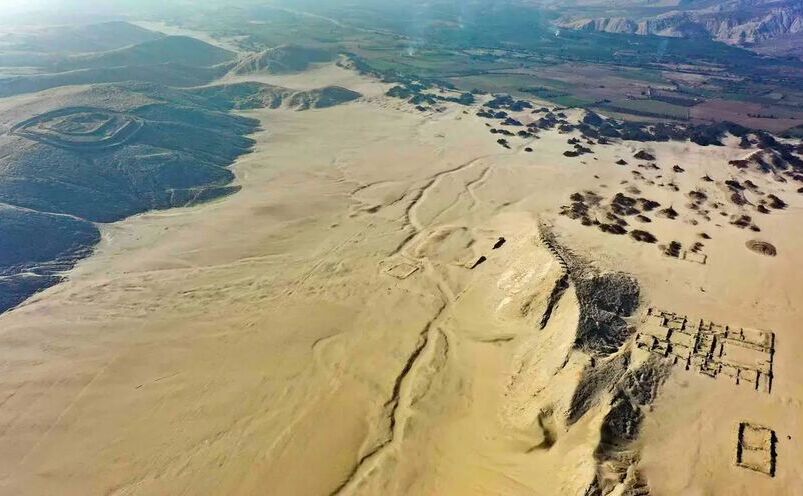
{"type": "Point", "coordinates": [393, 304]}
{"type": "Point", "coordinates": [282, 271]}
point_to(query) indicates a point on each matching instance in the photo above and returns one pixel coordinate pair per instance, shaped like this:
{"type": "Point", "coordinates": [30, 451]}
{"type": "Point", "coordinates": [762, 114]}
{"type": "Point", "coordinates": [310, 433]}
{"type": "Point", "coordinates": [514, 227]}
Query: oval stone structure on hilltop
{"type": "Point", "coordinates": [80, 128]}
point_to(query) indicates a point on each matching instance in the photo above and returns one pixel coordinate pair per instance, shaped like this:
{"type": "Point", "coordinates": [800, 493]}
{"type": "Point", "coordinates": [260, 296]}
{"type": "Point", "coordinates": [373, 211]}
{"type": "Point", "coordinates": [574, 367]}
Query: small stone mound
{"type": "Point", "coordinates": [644, 155]}
{"type": "Point", "coordinates": [744, 222]}
{"type": "Point", "coordinates": [612, 228]}
{"type": "Point", "coordinates": [673, 250]}
{"type": "Point", "coordinates": [698, 196]}
{"type": "Point", "coordinates": [776, 202]}
{"type": "Point", "coordinates": [648, 205]}
{"type": "Point", "coordinates": [643, 236]}
{"type": "Point", "coordinates": [734, 185]}
{"type": "Point", "coordinates": [669, 213]}
{"type": "Point", "coordinates": [624, 205]}
{"type": "Point", "coordinates": [738, 199]}
{"type": "Point", "coordinates": [762, 247]}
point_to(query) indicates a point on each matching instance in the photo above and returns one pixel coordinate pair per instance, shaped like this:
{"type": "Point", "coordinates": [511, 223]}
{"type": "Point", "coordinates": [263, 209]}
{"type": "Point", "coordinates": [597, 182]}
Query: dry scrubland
{"type": "Point", "coordinates": [393, 304]}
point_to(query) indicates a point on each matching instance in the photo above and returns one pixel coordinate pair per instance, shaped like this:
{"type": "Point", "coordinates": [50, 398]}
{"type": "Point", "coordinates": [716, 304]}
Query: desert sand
{"type": "Point", "coordinates": [323, 331]}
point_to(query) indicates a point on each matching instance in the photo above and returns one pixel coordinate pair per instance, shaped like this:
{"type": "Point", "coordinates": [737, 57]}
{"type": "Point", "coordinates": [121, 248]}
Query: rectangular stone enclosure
{"type": "Point", "coordinates": [741, 354]}
{"type": "Point", "coordinates": [755, 448]}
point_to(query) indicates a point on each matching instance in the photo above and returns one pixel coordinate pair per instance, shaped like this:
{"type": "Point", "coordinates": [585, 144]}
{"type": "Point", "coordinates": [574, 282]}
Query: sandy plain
{"type": "Point", "coordinates": [322, 331]}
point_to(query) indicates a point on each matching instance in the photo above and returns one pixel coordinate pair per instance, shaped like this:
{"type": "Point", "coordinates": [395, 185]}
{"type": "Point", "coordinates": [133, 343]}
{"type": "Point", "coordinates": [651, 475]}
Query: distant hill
{"type": "Point", "coordinates": [736, 22]}
{"type": "Point", "coordinates": [71, 159]}
{"type": "Point", "coordinates": [170, 74]}
{"type": "Point", "coordinates": [252, 95]}
{"type": "Point", "coordinates": [170, 49]}
{"type": "Point", "coordinates": [79, 39]}
{"type": "Point", "coordinates": [281, 59]}
{"type": "Point", "coordinates": [173, 61]}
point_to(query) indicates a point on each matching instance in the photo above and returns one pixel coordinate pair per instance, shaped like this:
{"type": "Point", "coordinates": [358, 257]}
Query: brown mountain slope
{"type": "Point", "coordinates": [736, 22]}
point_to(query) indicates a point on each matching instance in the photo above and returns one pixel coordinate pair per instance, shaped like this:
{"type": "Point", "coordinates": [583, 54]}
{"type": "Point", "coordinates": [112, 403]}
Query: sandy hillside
{"type": "Point", "coordinates": [393, 304]}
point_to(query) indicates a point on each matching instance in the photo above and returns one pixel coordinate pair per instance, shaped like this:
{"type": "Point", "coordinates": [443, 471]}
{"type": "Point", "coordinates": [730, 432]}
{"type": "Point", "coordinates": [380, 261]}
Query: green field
{"type": "Point", "coordinates": [470, 43]}
{"type": "Point", "coordinates": [650, 108]}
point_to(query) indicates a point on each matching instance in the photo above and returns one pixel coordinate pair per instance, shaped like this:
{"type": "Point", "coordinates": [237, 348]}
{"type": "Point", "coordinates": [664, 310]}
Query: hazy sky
{"type": "Point", "coordinates": [66, 11]}
{"type": "Point", "coordinates": [17, 6]}
{"type": "Point", "coordinates": [20, 10]}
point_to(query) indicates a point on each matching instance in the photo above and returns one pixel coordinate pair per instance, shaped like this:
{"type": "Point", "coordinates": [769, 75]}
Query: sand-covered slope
{"type": "Point", "coordinates": [409, 302]}
{"type": "Point", "coordinates": [280, 60]}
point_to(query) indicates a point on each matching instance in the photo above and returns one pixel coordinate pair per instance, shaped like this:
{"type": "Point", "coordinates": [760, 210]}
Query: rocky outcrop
{"type": "Point", "coordinates": [251, 95]}
{"type": "Point", "coordinates": [581, 366]}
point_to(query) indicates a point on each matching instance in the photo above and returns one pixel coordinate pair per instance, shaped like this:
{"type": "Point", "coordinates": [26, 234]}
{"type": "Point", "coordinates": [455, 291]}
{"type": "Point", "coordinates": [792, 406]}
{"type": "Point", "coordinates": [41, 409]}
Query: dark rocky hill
{"type": "Point", "coordinates": [169, 74]}
{"type": "Point", "coordinates": [172, 61]}
{"type": "Point", "coordinates": [76, 157]}
{"type": "Point", "coordinates": [169, 49]}
{"type": "Point", "coordinates": [100, 155]}
{"type": "Point", "coordinates": [78, 39]}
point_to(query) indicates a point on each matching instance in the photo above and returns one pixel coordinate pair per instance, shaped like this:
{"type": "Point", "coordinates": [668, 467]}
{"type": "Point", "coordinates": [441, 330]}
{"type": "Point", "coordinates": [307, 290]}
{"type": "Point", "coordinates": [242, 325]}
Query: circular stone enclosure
{"type": "Point", "coordinates": [80, 128]}
{"type": "Point", "coordinates": [762, 247]}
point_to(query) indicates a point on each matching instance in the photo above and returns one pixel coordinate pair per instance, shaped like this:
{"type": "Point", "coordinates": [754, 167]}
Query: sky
{"type": "Point", "coordinates": [65, 11]}
{"type": "Point", "coordinates": [26, 10]}
{"type": "Point", "coordinates": [21, 6]}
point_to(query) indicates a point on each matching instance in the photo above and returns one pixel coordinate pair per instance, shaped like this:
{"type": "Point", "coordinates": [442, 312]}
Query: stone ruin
{"type": "Point", "coordinates": [743, 355]}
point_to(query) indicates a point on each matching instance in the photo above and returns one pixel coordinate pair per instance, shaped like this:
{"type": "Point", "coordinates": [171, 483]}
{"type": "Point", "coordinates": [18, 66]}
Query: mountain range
{"type": "Point", "coordinates": [746, 23]}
